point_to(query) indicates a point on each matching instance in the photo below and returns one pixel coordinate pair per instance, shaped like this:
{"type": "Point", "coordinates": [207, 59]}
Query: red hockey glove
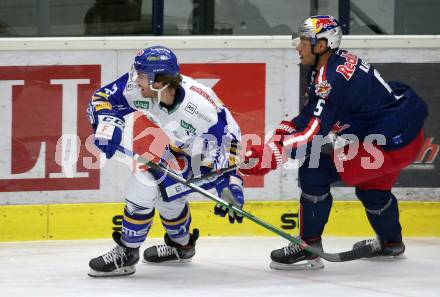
{"type": "Point", "coordinates": [268, 157]}
{"type": "Point", "coordinates": [284, 128]}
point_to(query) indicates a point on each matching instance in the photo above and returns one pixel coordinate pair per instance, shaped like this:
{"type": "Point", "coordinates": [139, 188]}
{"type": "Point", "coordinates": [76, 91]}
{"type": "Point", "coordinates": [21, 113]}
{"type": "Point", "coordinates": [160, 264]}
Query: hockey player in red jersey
{"type": "Point", "coordinates": [347, 98]}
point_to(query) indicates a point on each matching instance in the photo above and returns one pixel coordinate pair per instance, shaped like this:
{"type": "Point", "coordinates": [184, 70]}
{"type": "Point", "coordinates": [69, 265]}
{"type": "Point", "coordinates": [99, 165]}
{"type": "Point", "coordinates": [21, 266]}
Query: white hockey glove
{"type": "Point", "coordinates": [230, 189]}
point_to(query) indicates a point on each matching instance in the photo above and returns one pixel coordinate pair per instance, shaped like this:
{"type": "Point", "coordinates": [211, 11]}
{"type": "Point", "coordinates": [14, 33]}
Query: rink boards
{"type": "Point", "coordinates": [53, 185]}
{"type": "Point", "coordinates": [46, 84]}
{"type": "Point", "coordinates": [90, 221]}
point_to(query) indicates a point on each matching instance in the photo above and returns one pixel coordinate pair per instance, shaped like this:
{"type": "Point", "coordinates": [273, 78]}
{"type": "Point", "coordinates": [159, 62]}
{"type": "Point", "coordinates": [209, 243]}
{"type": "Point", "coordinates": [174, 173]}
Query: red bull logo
{"type": "Point", "coordinates": [322, 89]}
{"type": "Point", "coordinates": [324, 24]}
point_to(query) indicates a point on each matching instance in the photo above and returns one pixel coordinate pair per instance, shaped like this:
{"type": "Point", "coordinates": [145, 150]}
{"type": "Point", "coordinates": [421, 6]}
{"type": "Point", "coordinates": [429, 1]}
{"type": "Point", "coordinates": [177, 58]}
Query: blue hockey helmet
{"type": "Point", "coordinates": [156, 60]}
{"type": "Point", "coordinates": [322, 26]}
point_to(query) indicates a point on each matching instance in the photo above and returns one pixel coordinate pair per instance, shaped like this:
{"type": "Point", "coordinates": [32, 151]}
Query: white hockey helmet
{"type": "Point", "coordinates": [322, 26]}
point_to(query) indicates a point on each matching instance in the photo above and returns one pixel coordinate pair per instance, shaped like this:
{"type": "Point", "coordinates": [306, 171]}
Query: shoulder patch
{"type": "Point", "coordinates": [323, 89]}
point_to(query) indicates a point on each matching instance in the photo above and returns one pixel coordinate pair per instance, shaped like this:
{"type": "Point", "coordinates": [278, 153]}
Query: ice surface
{"type": "Point", "coordinates": [223, 266]}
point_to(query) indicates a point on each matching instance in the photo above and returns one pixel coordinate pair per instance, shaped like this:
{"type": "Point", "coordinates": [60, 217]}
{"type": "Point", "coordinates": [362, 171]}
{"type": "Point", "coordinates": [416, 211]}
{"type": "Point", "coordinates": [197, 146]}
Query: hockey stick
{"type": "Point", "coordinates": [331, 257]}
{"type": "Point", "coordinates": [212, 174]}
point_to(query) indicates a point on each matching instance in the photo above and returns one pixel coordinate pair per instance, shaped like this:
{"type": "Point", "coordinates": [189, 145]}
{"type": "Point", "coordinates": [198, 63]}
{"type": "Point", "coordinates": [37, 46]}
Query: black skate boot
{"type": "Point", "coordinates": [119, 261]}
{"type": "Point", "coordinates": [172, 251]}
{"type": "Point", "coordinates": [293, 257]}
{"type": "Point", "coordinates": [383, 249]}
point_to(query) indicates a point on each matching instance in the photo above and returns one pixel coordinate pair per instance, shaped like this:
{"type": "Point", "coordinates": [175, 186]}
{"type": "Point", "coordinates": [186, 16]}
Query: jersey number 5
{"type": "Point", "coordinates": [319, 107]}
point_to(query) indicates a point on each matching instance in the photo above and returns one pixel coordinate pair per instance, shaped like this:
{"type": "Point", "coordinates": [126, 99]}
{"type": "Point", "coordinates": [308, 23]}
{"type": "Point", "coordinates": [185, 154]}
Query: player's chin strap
{"type": "Point", "coordinates": [354, 254]}
{"type": "Point", "coordinates": [159, 92]}
{"type": "Point", "coordinates": [318, 55]}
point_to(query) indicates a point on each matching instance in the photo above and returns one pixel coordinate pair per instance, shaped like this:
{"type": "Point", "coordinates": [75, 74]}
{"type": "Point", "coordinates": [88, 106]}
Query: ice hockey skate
{"type": "Point", "coordinates": [121, 260]}
{"type": "Point", "coordinates": [383, 250]}
{"type": "Point", "coordinates": [293, 257]}
{"type": "Point", "coordinates": [172, 252]}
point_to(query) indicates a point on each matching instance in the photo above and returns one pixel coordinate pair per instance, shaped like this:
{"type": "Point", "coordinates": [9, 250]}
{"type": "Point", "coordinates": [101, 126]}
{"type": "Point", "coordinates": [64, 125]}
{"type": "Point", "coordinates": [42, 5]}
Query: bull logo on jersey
{"type": "Point", "coordinates": [323, 89]}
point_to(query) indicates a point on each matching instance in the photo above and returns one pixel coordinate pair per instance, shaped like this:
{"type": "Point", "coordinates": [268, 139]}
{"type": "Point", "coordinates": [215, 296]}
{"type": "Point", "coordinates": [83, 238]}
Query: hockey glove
{"type": "Point", "coordinates": [285, 128]}
{"type": "Point", "coordinates": [108, 133]}
{"type": "Point", "coordinates": [268, 157]}
{"type": "Point", "coordinates": [231, 191]}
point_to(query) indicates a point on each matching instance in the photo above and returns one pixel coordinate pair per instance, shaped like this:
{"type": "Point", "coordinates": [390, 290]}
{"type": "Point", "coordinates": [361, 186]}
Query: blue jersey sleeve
{"type": "Point", "coordinates": [109, 98]}
{"type": "Point", "coordinates": [222, 143]}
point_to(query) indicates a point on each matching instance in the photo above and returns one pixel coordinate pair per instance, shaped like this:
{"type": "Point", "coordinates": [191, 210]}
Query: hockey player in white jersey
{"type": "Point", "coordinates": [203, 136]}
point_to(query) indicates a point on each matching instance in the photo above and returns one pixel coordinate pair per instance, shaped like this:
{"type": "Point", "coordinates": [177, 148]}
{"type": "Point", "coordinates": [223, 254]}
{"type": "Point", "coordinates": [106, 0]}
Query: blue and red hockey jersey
{"type": "Point", "coordinates": [348, 96]}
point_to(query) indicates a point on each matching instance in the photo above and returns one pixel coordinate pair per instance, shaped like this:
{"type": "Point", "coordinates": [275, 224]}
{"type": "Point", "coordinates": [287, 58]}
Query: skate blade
{"type": "Point", "coordinates": [386, 258]}
{"type": "Point", "coordinates": [168, 263]}
{"type": "Point", "coordinates": [303, 265]}
{"type": "Point", "coordinates": [117, 272]}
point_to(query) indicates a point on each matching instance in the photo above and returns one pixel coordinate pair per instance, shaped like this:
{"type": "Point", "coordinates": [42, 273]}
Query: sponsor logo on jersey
{"type": "Point", "coordinates": [111, 120]}
{"type": "Point", "coordinates": [104, 131]}
{"type": "Point", "coordinates": [203, 94]}
{"type": "Point", "coordinates": [348, 68]}
{"type": "Point", "coordinates": [322, 89]}
{"type": "Point", "coordinates": [337, 128]}
{"type": "Point", "coordinates": [364, 66]}
{"type": "Point", "coordinates": [100, 95]}
{"type": "Point", "coordinates": [202, 116]}
{"type": "Point", "coordinates": [191, 108]}
{"type": "Point", "coordinates": [105, 105]}
{"type": "Point", "coordinates": [187, 126]}
{"type": "Point", "coordinates": [141, 104]}
{"type": "Point", "coordinates": [130, 86]}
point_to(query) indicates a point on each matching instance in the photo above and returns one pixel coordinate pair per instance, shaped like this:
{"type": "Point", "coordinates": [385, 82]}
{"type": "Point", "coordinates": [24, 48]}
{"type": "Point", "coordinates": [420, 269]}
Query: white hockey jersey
{"type": "Point", "coordinates": [197, 124]}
